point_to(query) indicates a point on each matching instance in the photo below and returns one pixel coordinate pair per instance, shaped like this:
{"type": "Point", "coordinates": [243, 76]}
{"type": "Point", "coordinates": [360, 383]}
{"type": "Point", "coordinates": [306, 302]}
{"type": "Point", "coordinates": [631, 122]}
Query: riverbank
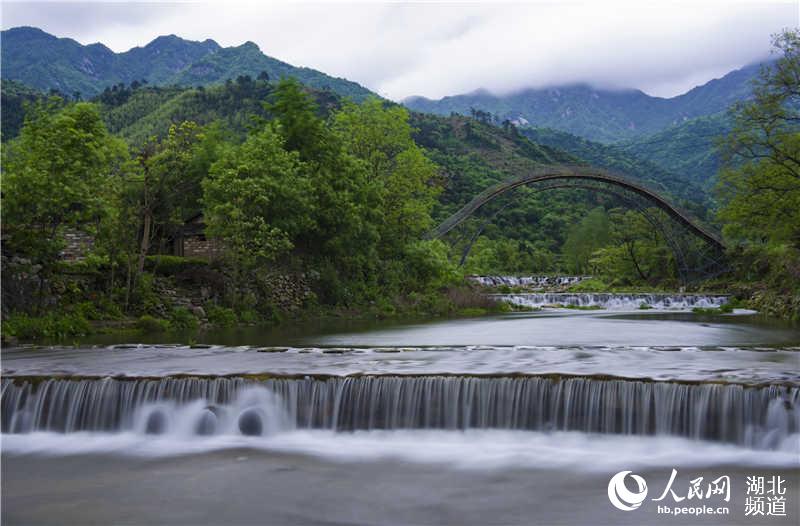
{"type": "Point", "coordinates": [768, 284]}
{"type": "Point", "coordinates": [190, 297]}
{"type": "Point", "coordinates": [87, 319]}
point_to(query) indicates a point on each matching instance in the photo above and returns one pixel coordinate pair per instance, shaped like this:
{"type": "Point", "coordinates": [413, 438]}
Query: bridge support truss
{"type": "Point", "coordinates": [699, 253]}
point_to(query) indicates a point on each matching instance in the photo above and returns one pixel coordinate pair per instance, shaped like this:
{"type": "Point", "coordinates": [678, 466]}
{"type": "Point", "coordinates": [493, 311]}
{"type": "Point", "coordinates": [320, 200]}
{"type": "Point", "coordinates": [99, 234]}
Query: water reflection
{"type": "Point", "coordinates": [550, 327]}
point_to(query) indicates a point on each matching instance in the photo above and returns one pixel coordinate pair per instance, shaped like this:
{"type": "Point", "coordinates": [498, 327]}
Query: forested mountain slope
{"type": "Point", "coordinates": [43, 61]}
{"type": "Point", "coordinates": [15, 96]}
{"type": "Point", "coordinates": [474, 152]}
{"type": "Point", "coordinates": [688, 149]}
{"type": "Point", "coordinates": [633, 164]}
{"type": "Point", "coordinates": [598, 114]}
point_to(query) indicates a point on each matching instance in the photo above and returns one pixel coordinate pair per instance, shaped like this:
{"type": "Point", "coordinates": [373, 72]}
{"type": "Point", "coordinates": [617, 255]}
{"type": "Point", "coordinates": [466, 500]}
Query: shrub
{"type": "Point", "coordinates": [472, 312]}
{"type": "Point", "coordinates": [53, 325]}
{"type": "Point", "coordinates": [385, 308]}
{"type": "Point", "coordinates": [726, 308]}
{"type": "Point", "coordinates": [91, 265]}
{"type": "Point", "coordinates": [88, 310]}
{"type": "Point", "coordinates": [428, 265]}
{"type": "Point", "coordinates": [98, 309]}
{"type": "Point", "coordinates": [144, 295]}
{"type": "Point", "coordinates": [182, 318]}
{"type": "Point", "coordinates": [147, 323]}
{"type": "Point", "coordinates": [590, 285]}
{"type": "Point", "coordinates": [248, 316]}
{"type": "Point", "coordinates": [165, 265]}
{"type": "Point", "coordinates": [221, 316]}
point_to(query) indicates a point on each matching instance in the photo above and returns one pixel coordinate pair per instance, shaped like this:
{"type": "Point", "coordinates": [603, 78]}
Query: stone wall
{"type": "Point", "coordinates": [78, 244]}
{"type": "Point", "coordinates": [201, 247]}
{"type": "Point", "coordinates": [288, 292]}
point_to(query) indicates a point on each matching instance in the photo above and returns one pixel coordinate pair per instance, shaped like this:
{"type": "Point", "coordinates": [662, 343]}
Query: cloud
{"type": "Point", "coordinates": [83, 20]}
{"type": "Point", "coordinates": [437, 49]}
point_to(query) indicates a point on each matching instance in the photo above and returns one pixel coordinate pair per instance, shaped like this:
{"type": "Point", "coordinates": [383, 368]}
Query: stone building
{"type": "Point", "coordinates": [77, 245]}
{"type": "Point", "coordinates": [192, 241]}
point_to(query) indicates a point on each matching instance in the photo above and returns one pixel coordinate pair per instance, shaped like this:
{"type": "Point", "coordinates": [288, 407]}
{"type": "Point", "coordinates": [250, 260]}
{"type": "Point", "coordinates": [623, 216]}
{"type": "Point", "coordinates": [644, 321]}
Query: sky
{"type": "Point", "coordinates": [435, 49]}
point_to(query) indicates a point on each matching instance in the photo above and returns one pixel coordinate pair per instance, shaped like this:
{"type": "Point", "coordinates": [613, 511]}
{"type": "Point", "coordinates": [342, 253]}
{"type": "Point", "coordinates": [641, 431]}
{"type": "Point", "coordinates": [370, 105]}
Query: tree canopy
{"type": "Point", "coordinates": [760, 186]}
{"type": "Point", "coordinates": [58, 174]}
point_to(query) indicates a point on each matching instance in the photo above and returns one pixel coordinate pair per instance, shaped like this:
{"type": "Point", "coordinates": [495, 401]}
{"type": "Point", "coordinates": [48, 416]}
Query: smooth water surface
{"type": "Point", "coordinates": [660, 346]}
{"type": "Point", "coordinates": [514, 419]}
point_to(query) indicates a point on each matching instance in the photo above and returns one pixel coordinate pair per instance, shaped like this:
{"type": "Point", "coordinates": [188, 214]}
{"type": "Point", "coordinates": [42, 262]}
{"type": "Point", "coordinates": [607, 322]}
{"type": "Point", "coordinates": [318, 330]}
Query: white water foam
{"type": "Point", "coordinates": [471, 449]}
{"type": "Point", "coordinates": [619, 302]}
{"type": "Point", "coordinates": [527, 281]}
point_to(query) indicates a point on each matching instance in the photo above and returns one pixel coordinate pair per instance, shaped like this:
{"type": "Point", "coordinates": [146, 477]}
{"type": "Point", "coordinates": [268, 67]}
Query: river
{"type": "Point", "coordinates": [514, 419]}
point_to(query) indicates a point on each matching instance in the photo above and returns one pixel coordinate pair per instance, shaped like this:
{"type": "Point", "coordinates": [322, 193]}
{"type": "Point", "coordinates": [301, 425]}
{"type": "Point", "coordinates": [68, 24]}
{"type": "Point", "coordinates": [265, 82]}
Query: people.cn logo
{"type": "Point", "coordinates": [621, 497]}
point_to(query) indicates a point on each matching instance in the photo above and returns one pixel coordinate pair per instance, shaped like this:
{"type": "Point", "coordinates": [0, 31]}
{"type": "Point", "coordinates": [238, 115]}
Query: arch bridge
{"type": "Point", "coordinates": [699, 254]}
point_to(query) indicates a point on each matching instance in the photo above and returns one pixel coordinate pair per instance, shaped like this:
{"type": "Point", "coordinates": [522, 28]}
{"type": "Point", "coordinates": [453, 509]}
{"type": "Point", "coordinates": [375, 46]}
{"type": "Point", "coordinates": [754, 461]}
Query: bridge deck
{"type": "Point", "coordinates": [548, 173]}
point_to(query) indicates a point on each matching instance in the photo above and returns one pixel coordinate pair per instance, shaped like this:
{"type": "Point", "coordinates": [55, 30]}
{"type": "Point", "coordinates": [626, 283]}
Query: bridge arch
{"type": "Point", "coordinates": [598, 180]}
{"type": "Point", "coordinates": [578, 173]}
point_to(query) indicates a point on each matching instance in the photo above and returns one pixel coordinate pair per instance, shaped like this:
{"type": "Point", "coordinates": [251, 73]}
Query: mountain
{"type": "Point", "coordinates": [458, 143]}
{"type": "Point", "coordinates": [15, 97]}
{"type": "Point", "coordinates": [596, 114]}
{"type": "Point", "coordinates": [43, 61]}
{"type": "Point", "coordinates": [472, 154]}
{"type": "Point", "coordinates": [628, 161]}
{"type": "Point", "coordinates": [688, 149]}
{"type": "Point", "coordinates": [179, 70]}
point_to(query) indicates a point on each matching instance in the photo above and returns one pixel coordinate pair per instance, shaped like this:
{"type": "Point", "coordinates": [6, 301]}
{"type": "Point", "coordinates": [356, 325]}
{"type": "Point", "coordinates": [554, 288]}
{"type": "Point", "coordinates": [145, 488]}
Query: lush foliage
{"type": "Point", "coordinates": [636, 254]}
{"type": "Point", "coordinates": [584, 238]}
{"type": "Point", "coordinates": [300, 186]}
{"type": "Point", "coordinates": [687, 149]}
{"type": "Point", "coordinates": [351, 193]}
{"type": "Point", "coordinates": [49, 326]}
{"type": "Point", "coordinates": [760, 186]}
{"type": "Point", "coordinates": [58, 175]}
{"type": "Point", "coordinates": [682, 182]}
{"type": "Point", "coordinates": [41, 60]}
{"type": "Point", "coordinates": [16, 98]}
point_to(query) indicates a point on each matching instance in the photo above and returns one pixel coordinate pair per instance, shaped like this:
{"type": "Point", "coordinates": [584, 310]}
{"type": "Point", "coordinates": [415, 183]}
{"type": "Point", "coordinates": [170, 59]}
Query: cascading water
{"type": "Point", "coordinates": [527, 281]}
{"type": "Point", "coordinates": [760, 417]}
{"type": "Point", "coordinates": [615, 301]}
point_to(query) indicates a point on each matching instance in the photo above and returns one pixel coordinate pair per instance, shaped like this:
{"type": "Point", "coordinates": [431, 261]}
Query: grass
{"type": "Point", "coordinates": [523, 308]}
{"type": "Point", "coordinates": [579, 307]}
{"type": "Point", "coordinates": [590, 285]}
{"type": "Point", "coordinates": [148, 323]}
{"type": "Point", "coordinates": [575, 307]}
{"type": "Point", "coordinates": [52, 325]}
{"type": "Point", "coordinates": [221, 316]}
{"type": "Point", "coordinates": [725, 308]}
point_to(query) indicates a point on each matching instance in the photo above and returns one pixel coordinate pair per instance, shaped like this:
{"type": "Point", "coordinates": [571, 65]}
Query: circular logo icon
{"type": "Point", "coordinates": [621, 497]}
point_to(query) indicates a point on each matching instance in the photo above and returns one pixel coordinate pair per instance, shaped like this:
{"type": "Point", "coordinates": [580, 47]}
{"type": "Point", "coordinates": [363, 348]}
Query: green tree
{"type": "Point", "coordinates": [636, 253]}
{"type": "Point", "coordinates": [590, 234]}
{"type": "Point", "coordinates": [59, 173]}
{"type": "Point", "coordinates": [402, 178]}
{"type": "Point", "coordinates": [170, 184]}
{"type": "Point", "coordinates": [760, 186]}
{"type": "Point", "coordinates": [302, 129]}
{"type": "Point", "coordinates": [257, 200]}
{"type": "Point", "coordinates": [343, 232]}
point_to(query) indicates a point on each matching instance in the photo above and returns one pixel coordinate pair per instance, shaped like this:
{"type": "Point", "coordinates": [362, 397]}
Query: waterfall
{"type": "Point", "coordinates": [527, 281]}
{"type": "Point", "coordinates": [616, 301]}
{"type": "Point", "coordinates": [751, 416]}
